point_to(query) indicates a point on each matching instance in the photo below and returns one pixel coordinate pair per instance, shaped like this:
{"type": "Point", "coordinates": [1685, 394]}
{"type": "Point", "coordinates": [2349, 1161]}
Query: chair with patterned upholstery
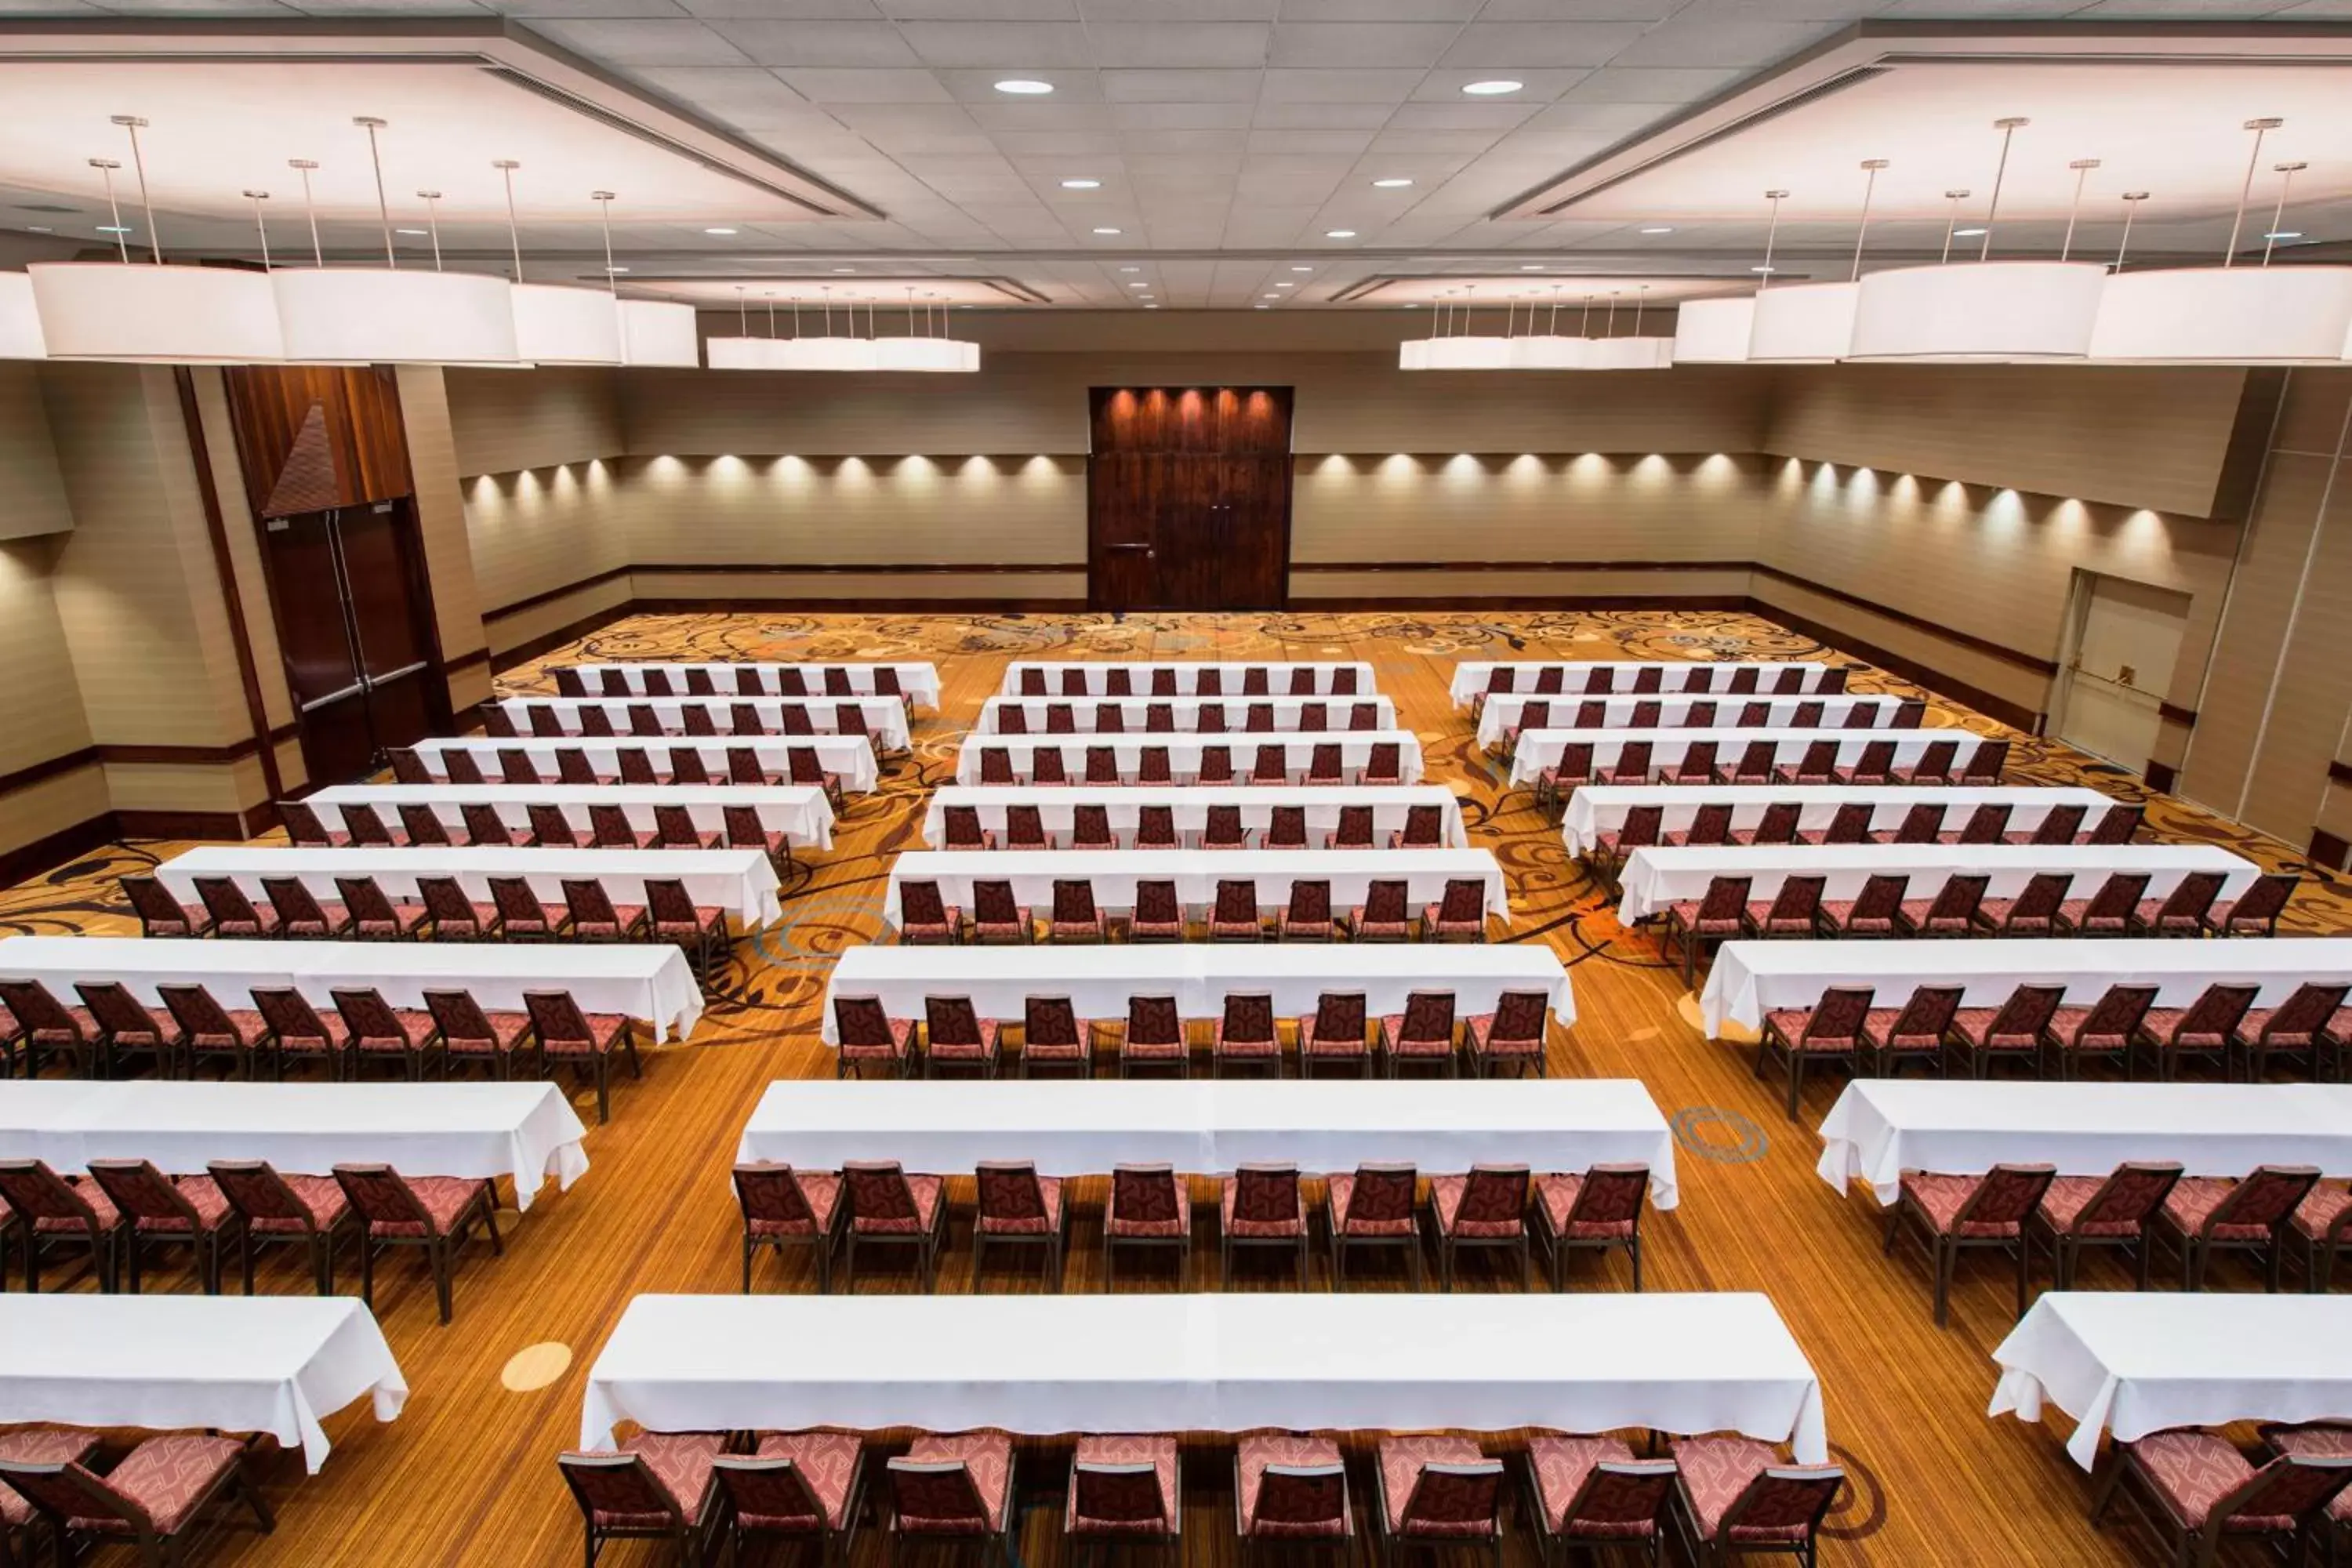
{"type": "Point", "coordinates": [484, 826]}
{"type": "Point", "coordinates": [470, 1033]}
{"type": "Point", "coordinates": [797, 718]}
{"type": "Point", "coordinates": [125, 1030]}
{"type": "Point", "coordinates": [2295, 1027]}
{"type": "Point", "coordinates": [1422, 1035]}
{"type": "Point", "coordinates": [1438, 1490]}
{"type": "Point", "coordinates": [155, 1500]}
{"type": "Point", "coordinates": [550, 827]}
{"type": "Point", "coordinates": [658, 1486]}
{"type": "Point", "coordinates": [1987, 824]}
{"type": "Point", "coordinates": [1459, 914]}
{"type": "Point", "coordinates": [595, 724]}
{"type": "Point", "coordinates": [1154, 1037]}
{"type": "Point", "coordinates": [1354, 830]}
{"type": "Point", "coordinates": [22, 1530]}
{"type": "Point", "coordinates": [1286, 828]}
{"type": "Point", "coordinates": [1591, 1495]}
{"type": "Point", "coordinates": [2016, 1031]}
{"type": "Point", "coordinates": [2203, 1216]}
{"type": "Point", "coordinates": [156, 1210]}
{"type": "Point", "coordinates": [1290, 1490]}
{"type": "Point", "coordinates": [1933, 766]}
{"type": "Point", "coordinates": [382, 1031]}
{"type": "Point", "coordinates": [1599, 1210]}
{"type": "Point", "coordinates": [209, 1031]}
{"type": "Point", "coordinates": [998, 916]}
{"type": "Point", "coordinates": [798, 1486]}
{"type": "Point", "coordinates": [1817, 765]}
{"type": "Point", "coordinates": [159, 914]}
{"type": "Point", "coordinates": [1306, 915]}
{"type": "Point", "coordinates": [870, 1037]}
{"type": "Point", "coordinates": [1377, 1207]}
{"type": "Point", "coordinates": [304, 830]}
{"type": "Point", "coordinates": [1850, 824]}
{"type": "Point", "coordinates": [888, 1207]}
{"type": "Point", "coordinates": [1216, 766]}
{"type": "Point", "coordinates": [1487, 1207]}
{"type": "Point", "coordinates": [1271, 766]}
{"type": "Point", "coordinates": [1233, 914]}
{"type": "Point", "coordinates": [1913, 1032]}
{"type": "Point", "coordinates": [33, 1022]}
{"type": "Point", "coordinates": [2107, 911]}
{"type": "Point", "coordinates": [2323, 1222]}
{"type": "Point", "coordinates": [1221, 828]}
{"type": "Point", "coordinates": [299, 1032]}
{"type": "Point", "coordinates": [1716, 916]}
{"type": "Point", "coordinates": [50, 1213]}
{"type": "Point", "coordinates": [1534, 714]}
{"type": "Point", "coordinates": [585, 1041]}
{"type": "Point", "coordinates": [1828, 1033]}
{"type": "Point", "coordinates": [955, 1037]}
{"type": "Point", "coordinates": [1090, 827]}
{"type": "Point", "coordinates": [1025, 827]}
{"type": "Point", "coordinates": [461, 766]}
{"type": "Point", "coordinates": [2195, 1491]}
{"type": "Point", "coordinates": [233, 913]}
{"type": "Point", "coordinates": [1334, 1033]}
{"type": "Point", "coordinates": [744, 830]}
{"type": "Point", "coordinates": [423, 826]}
{"type": "Point", "coordinates": [1711, 825]}
{"type": "Point", "coordinates": [1643, 828]}
{"type": "Point", "coordinates": [521, 916]}
{"type": "Point", "coordinates": [1793, 911]}
{"type": "Point", "coordinates": [1775, 825]}
{"type": "Point", "coordinates": [1699, 714]}
{"type": "Point", "coordinates": [1735, 1497]}
{"type": "Point", "coordinates": [1383, 764]}
{"type": "Point", "coordinates": [436, 1214]}
{"type": "Point", "coordinates": [310, 1210]}
{"type": "Point", "coordinates": [594, 916]}
{"type": "Point", "coordinates": [1986, 763]}
{"type": "Point", "coordinates": [1951, 911]}
{"type": "Point", "coordinates": [743, 767]}
{"type": "Point", "coordinates": [1150, 1206]}
{"type": "Point", "coordinates": [1513, 1036]}
{"type": "Point", "coordinates": [1954, 1213]}
{"type": "Point", "coordinates": [956, 1486]}
{"type": "Point", "coordinates": [1153, 765]}
{"type": "Point", "coordinates": [1124, 1491]}
{"type": "Point", "coordinates": [1563, 778]}
{"type": "Point", "coordinates": [2254, 912]}
{"type": "Point", "coordinates": [1155, 827]}
{"type": "Point", "coordinates": [1262, 1206]}
{"type": "Point", "coordinates": [2111, 1211]}
{"type": "Point", "coordinates": [2061, 824]}
{"type": "Point", "coordinates": [1875, 765]}
{"type": "Point", "coordinates": [1245, 1035]}
{"type": "Point", "coordinates": [1923, 823]}
{"type": "Point", "coordinates": [374, 916]}
{"type": "Point", "coordinates": [2181, 912]}
{"type": "Point", "coordinates": [805, 766]}
{"type": "Point", "coordinates": [408, 768]}
{"type": "Point", "coordinates": [2203, 1028]}
{"type": "Point", "coordinates": [516, 767]}
{"type": "Point", "coordinates": [1075, 916]}
{"type": "Point", "coordinates": [1016, 1206]}
{"type": "Point", "coordinates": [1631, 766]}
{"type": "Point", "coordinates": [2034, 913]}
{"type": "Point", "coordinates": [925, 917]}
{"type": "Point", "coordinates": [1208, 718]}
{"type": "Point", "coordinates": [2104, 1030]}
{"type": "Point", "coordinates": [1158, 914]}
{"type": "Point", "coordinates": [1054, 1035]}
{"type": "Point", "coordinates": [1753, 767]}
{"type": "Point", "coordinates": [636, 764]}
{"type": "Point", "coordinates": [1871, 911]}
{"type": "Point", "coordinates": [1385, 915]}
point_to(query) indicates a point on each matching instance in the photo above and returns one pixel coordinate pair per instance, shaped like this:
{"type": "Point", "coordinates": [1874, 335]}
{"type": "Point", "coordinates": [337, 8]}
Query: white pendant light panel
{"type": "Point", "coordinates": [371, 316]}
{"type": "Point", "coordinates": [557, 324]}
{"type": "Point", "coordinates": [1979, 311]}
{"type": "Point", "coordinates": [658, 332]}
{"type": "Point", "coordinates": [1548, 351]}
{"type": "Point", "coordinates": [1803, 323]}
{"type": "Point", "coordinates": [157, 314]}
{"type": "Point", "coordinates": [2216, 315]}
{"type": "Point", "coordinates": [1714, 332]}
{"type": "Point", "coordinates": [20, 319]}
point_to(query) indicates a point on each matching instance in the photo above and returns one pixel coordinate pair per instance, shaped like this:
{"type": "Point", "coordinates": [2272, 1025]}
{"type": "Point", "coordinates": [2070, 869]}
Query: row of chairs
{"type": "Point", "coordinates": [1644, 828]}
{"type": "Point", "coordinates": [750, 681]}
{"type": "Point", "coordinates": [550, 827]}
{"type": "Point", "coordinates": [1341, 1035]}
{"type": "Point", "coordinates": [1552, 680]}
{"type": "Point", "coordinates": [703, 1493]}
{"type": "Point", "coordinates": [1155, 828]}
{"type": "Point", "coordinates": [112, 1032]}
{"type": "Point", "coordinates": [1958, 907]}
{"type": "Point", "coordinates": [56, 1488]}
{"type": "Point", "coordinates": [1378, 1207]}
{"type": "Point", "coordinates": [1759, 763]}
{"type": "Point", "coordinates": [2269, 1214]}
{"type": "Point", "coordinates": [2034, 1028]}
{"type": "Point", "coordinates": [1159, 719]}
{"type": "Point", "coordinates": [1270, 766]}
{"type": "Point", "coordinates": [997, 914]}
{"type": "Point", "coordinates": [1538, 713]}
{"type": "Point", "coordinates": [125, 1209]}
{"type": "Point", "coordinates": [637, 765]}
{"type": "Point", "coordinates": [596, 723]}
{"type": "Point", "coordinates": [1207, 681]}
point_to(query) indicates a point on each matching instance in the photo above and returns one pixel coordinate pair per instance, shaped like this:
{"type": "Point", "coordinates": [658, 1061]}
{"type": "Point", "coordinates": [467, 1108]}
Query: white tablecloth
{"type": "Point", "coordinates": [2133, 1362]}
{"type": "Point", "coordinates": [1470, 678]}
{"type": "Point", "coordinates": [1183, 712]}
{"type": "Point", "coordinates": [1751, 978]}
{"type": "Point", "coordinates": [1229, 675]}
{"type": "Point", "coordinates": [642, 980]}
{"type": "Point", "coordinates": [920, 683]}
{"type": "Point", "coordinates": [1190, 806]}
{"type": "Point", "coordinates": [849, 756]}
{"type": "Point", "coordinates": [884, 716]}
{"type": "Point", "coordinates": [801, 812]}
{"type": "Point", "coordinates": [1880, 1128]}
{"type": "Point", "coordinates": [741, 881]}
{"type": "Point", "coordinates": [1540, 749]}
{"type": "Point", "coordinates": [1503, 713]}
{"type": "Point", "coordinates": [1654, 877]}
{"type": "Point", "coordinates": [1594, 1361]}
{"type": "Point", "coordinates": [525, 1132]}
{"type": "Point", "coordinates": [235, 1363]}
{"type": "Point", "coordinates": [1099, 980]}
{"type": "Point", "coordinates": [1184, 752]}
{"type": "Point", "coordinates": [1196, 873]}
{"type": "Point", "coordinates": [1595, 809]}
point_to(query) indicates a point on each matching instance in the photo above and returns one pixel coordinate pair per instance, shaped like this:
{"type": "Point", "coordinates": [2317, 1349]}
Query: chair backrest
{"type": "Point", "coordinates": [459, 1016]}
{"type": "Point", "coordinates": [1840, 1013]}
{"type": "Point", "coordinates": [37, 1193]}
{"type": "Point", "coordinates": [2266, 1197]}
{"type": "Point", "coordinates": [1987, 762]}
{"type": "Point", "coordinates": [1340, 1016]}
{"type": "Point", "coordinates": [1535, 713]}
{"type": "Point", "coordinates": [302, 826]}
{"type": "Point", "coordinates": [2118, 1012]}
{"type": "Point", "coordinates": [940, 1494]}
{"type": "Point", "coordinates": [743, 767]}
{"type": "Point", "coordinates": [743, 717]}
{"type": "Point", "coordinates": [1073, 682]}
{"type": "Point", "coordinates": [1313, 716]}
{"type": "Point", "coordinates": [67, 1490]}
{"type": "Point", "coordinates": [144, 1193]}
{"type": "Point", "coordinates": [636, 764]}
{"type": "Point", "coordinates": [1876, 762]}
{"type": "Point", "coordinates": [1428, 1016]}
{"type": "Point", "coordinates": [962, 824]}
{"type": "Point", "coordinates": [1033, 682]}
{"type": "Point", "coordinates": [1493, 1195]}
{"type": "Point", "coordinates": [1850, 824]}
{"type": "Point", "coordinates": [2131, 1194]}
{"type": "Point", "coordinates": [226, 901]}
{"type": "Point", "coordinates": [1154, 1021]}
{"type": "Point", "coordinates": [2265, 901]}
{"type": "Point", "coordinates": [1424, 826]}
{"type": "Point", "coordinates": [2039, 899]}
{"type": "Point", "coordinates": [1061, 719]}
{"type": "Point", "coordinates": [750, 682]}
{"type": "Point", "coordinates": [549, 826]}
{"type": "Point", "coordinates": [2059, 825]}
{"type": "Point", "coordinates": [1009, 1190]}
{"type": "Point", "coordinates": [445, 899]}
{"type": "Point", "coordinates": [159, 913]}
{"type": "Point", "coordinates": [1927, 1013]}
{"type": "Point", "coordinates": [1074, 901]}
{"type": "Point", "coordinates": [2004, 1195]}
{"type": "Point", "coordinates": [793, 719]}
{"type": "Point", "coordinates": [1285, 827]}
{"type": "Point", "coordinates": [860, 1021]}
{"type": "Point", "coordinates": [877, 1190]}
{"type": "Point", "coordinates": [1464, 902]}
{"type": "Point", "coordinates": [1862, 715]}
{"type": "Point", "coordinates": [609, 827]}
{"type": "Point", "coordinates": [2216, 1011]}
{"type": "Point", "coordinates": [197, 1010]}
{"type": "Point", "coordinates": [2028, 1010]}
{"type": "Point", "coordinates": [1936, 759]}
{"type": "Point", "coordinates": [996, 766]}
{"type": "Point", "coordinates": [1385, 901]}
{"type": "Point", "coordinates": [1756, 760]}
{"type": "Point", "coordinates": [1698, 758]}
{"type": "Point", "coordinates": [408, 768]}
{"type": "Point", "coordinates": [1808, 716]}
{"type": "Point", "coordinates": [116, 1010]}
{"type": "Point", "coordinates": [461, 766]}
{"type": "Point", "coordinates": [423, 824]}
{"type": "Point", "coordinates": [1222, 825]}
{"type": "Point", "coordinates": [1620, 1497]}
{"type": "Point", "coordinates": [1785, 1500]}
{"type": "Point", "coordinates": [1273, 762]}
{"type": "Point", "coordinates": [1777, 825]}
{"type": "Point", "coordinates": [1549, 677]}
{"type": "Point", "coordinates": [367, 1014]}
{"type": "Point", "coordinates": [1611, 1194]}
{"type": "Point", "coordinates": [1744, 678]}
{"type": "Point", "coordinates": [1986, 823]}
{"type": "Point", "coordinates": [743, 827]}
{"type": "Point", "coordinates": [1753, 716]}
{"type": "Point", "coordinates": [516, 902]}
{"type": "Point", "coordinates": [1699, 714]}
{"type": "Point", "coordinates": [1012, 718]}
{"type": "Point", "coordinates": [1725, 899]}
{"type": "Point", "coordinates": [2190, 898]}
{"type": "Point", "coordinates": [1049, 1021]}
{"type": "Point", "coordinates": [1711, 823]}
{"type": "Point", "coordinates": [919, 904]}
{"type": "Point", "coordinates": [2291, 1486]}
{"type": "Point", "coordinates": [289, 1013]}
{"type": "Point", "coordinates": [545, 722]}
{"type": "Point", "coordinates": [497, 723]}
{"type": "Point", "coordinates": [1155, 827]}
{"type": "Point", "coordinates": [1310, 902]}
{"type": "Point", "coordinates": [1881, 896]}
{"type": "Point", "coordinates": [1266, 1192]}
{"type": "Point", "coordinates": [1819, 761]}
{"type": "Point", "coordinates": [1236, 901]}
{"type": "Point", "coordinates": [1102, 763]}
{"type": "Point", "coordinates": [256, 1190]}
{"type": "Point", "coordinates": [669, 904]}
{"type": "Point", "coordinates": [769, 1488]}
{"type": "Point", "coordinates": [1590, 714]}
{"type": "Point", "coordinates": [1045, 766]}
{"type": "Point", "coordinates": [1957, 898]}
{"type": "Point", "coordinates": [687, 767]}
{"type": "Point", "coordinates": [515, 766]}
{"type": "Point", "coordinates": [2116, 897]}
{"type": "Point", "coordinates": [1448, 1500]}
{"type": "Point", "coordinates": [1090, 825]}
{"type": "Point", "coordinates": [2307, 1010]}
{"type": "Point", "coordinates": [1152, 765]}
{"type": "Point", "coordinates": [556, 1016]}
{"type": "Point", "coordinates": [1921, 823]}
{"type": "Point", "coordinates": [1355, 827]}
{"type": "Point", "coordinates": [1299, 1500]}
{"type": "Point", "coordinates": [992, 903]}
{"type": "Point", "coordinates": [588, 902]}
{"type": "Point", "coordinates": [1209, 718]}
{"type": "Point", "coordinates": [483, 824]}
{"type": "Point", "coordinates": [382, 1197]}
{"type": "Point", "coordinates": [1798, 900]}
{"type": "Point", "coordinates": [2116, 823]}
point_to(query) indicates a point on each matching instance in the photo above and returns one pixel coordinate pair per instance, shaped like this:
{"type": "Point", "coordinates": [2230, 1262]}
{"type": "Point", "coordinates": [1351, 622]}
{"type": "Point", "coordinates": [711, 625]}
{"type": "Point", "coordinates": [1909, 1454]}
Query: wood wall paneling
{"type": "Point", "coordinates": [313, 437]}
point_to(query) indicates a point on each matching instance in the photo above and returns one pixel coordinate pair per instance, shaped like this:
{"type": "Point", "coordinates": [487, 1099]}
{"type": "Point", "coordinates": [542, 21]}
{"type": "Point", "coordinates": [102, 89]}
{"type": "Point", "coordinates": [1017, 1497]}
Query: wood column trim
{"type": "Point", "coordinates": [224, 565]}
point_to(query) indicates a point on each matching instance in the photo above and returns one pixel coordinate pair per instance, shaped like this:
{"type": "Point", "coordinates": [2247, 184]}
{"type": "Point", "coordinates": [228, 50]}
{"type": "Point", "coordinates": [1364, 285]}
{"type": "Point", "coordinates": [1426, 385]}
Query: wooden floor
{"type": "Point", "coordinates": [467, 1475]}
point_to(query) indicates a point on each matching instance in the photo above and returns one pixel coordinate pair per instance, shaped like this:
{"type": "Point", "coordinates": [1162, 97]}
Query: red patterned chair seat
{"type": "Point", "coordinates": [2316, 1215]}
{"type": "Point", "coordinates": [1179, 1223]}
{"type": "Point", "coordinates": [1378, 931]}
{"type": "Point", "coordinates": [1975, 1024]}
{"type": "Point", "coordinates": [1393, 1030]}
{"type": "Point", "coordinates": [605, 1030]}
{"type": "Point", "coordinates": [1296, 1225]}
{"type": "Point", "coordinates": [1445, 1198]}
{"type": "Point", "coordinates": [2320, 1441]}
{"type": "Point", "coordinates": [707, 918]}
{"type": "Point", "coordinates": [1315, 1045]}
{"type": "Point", "coordinates": [2164, 1023]}
{"type": "Point", "coordinates": [1401, 1459]}
{"type": "Point", "coordinates": [1879, 1024]}
{"type": "Point", "coordinates": [1049, 1189]}
{"type": "Point", "coordinates": [1685, 916]}
{"type": "Point", "coordinates": [417, 1022]}
{"type": "Point", "coordinates": [2067, 1023]}
{"type": "Point", "coordinates": [1561, 1465]}
{"type": "Point", "coordinates": [1074, 931]}
{"type": "Point", "coordinates": [249, 1025]}
{"type": "Point", "coordinates": [902, 1035]}
{"type": "Point", "coordinates": [1839, 914]}
{"type": "Point", "coordinates": [1917, 911]}
{"type": "Point", "coordinates": [1715, 1471]}
{"type": "Point", "coordinates": [925, 930]}
{"type": "Point", "coordinates": [2257, 1020]}
{"type": "Point", "coordinates": [59, 1038]}
{"type": "Point", "coordinates": [986, 1457]}
{"type": "Point", "coordinates": [680, 1463]}
{"type": "Point", "coordinates": [821, 1190]}
{"type": "Point", "coordinates": [1075, 1050]}
{"type": "Point", "coordinates": [826, 1463]}
{"type": "Point", "coordinates": [2194, 1197]}
{"type": "Point", "coordinates": [624, 916]}
{"type": "Point", "coordinates": [1557, 1196]}
{"type": "Point", "coordinates": [1153, 1050]}
{"type": "Point", "coordinates": [1760, 918]}
{"type": "Point", "coordinates": [443, 1197]}
{"type": "Point", "coordinates": [978, 1050]}
{"type": "Point", "coordinates": [108, 1216]}
{"type": "Point", "coordinates": [2065, 1198]}
{"type": "Point", "coordinates": [1939, 1197]}
{"type": "Point", "coordinates": [1260, 1449]}
{"type": "Point", "coordinates": [506, 1029]}
{"type": "Point", "coordinates": [1790, 1023]}
{"type": "Point", "coordinates": [336, 1041]}
{"type": "Point", "coordinates": [2076, 912]}
{"type": "Point", "coordinates": [203, 1195]}
{"type": "Point", "coordinates": [1481, 1029]}
{"type": "Point", "coordinates": [40, 1445]}
{"type": "Point", "coordinates": [925, 1191]}
{"type": "Point", "coordinates": [1129, 1449]}
{"type": "Point", "coordinates": [1226, 1046]}
{"type": "Point", "coordinates": [406, 919]}
{"type": "Point", "coordinates": [2191, 1471]}
{"type": "Point", "coordinates": [1343, 1191]}
{"type": "Point", "coordinates": [484, 916]}
{"type": "Point", "coordinates": [1432, 925]}
{"type": "Point", "coordinates": [168, 1477]}
{"type": "Point", "coordinates": [322, 1195]}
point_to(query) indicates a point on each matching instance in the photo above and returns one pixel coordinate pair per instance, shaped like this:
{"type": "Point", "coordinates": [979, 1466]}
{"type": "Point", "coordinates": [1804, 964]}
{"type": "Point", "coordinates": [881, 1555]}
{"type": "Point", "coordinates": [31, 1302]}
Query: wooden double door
{"type": "Point", "coordinates": [1188, 497]}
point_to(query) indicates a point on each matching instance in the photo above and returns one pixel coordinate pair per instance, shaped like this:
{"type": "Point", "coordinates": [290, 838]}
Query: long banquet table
{"type": "Point", "coordinates": [918, 683]}
{"type": "Point", "coordinates": [2131, 1362]}
{"type": "Point", "coordinates": [641, 980]}
{"type": "Point", "coordinates": [1694, 1361]}
{"type": "Point", "coordinates": [1541, 749]}
{"type": "Point", "coordinates": [1184, 752]}
{"type": "Point", "coordinates": [1653, 877]}
{"type": "Point", "coordinates": [1099, 980]}
{"type": "Point", "coordinates": [1095, 676]}
{"type": "Point", "coordinates": [1189, 806]}
{"type": "Point", "coordinates": [848, 757]}
{"type": "Point", "coordinates": [226, 1363]}
{"type": "Point", "coordinates": [1752, 978]}
{"type": "Point", "coordinates": [882, 717]}
{"type": "Point", "coordinates": [1185, 713]}
{"type": "Point", "coordinates": [1880, 1128]}
{"type": "Point", "coordinates": [1595, 809]}
{"type": "Point", "coordinates": [1196, 873]}
{"type": "Point", "coordinates": [1502, 713]}
{"type": "Point", "coordinates": [526, 1133]}
{"type": "Point", "coordinates": [1471, 677]}
{"type": "Point", "coordinates": [800, 811]}
{"type": "Point", "coordinates": [741, 881]}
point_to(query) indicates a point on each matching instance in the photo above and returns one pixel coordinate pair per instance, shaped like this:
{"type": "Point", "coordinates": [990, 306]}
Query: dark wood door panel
{"type": "Point", "coordinates": [383, 609]}
{"type": "Point", "coordinates": [1255, 546]}
{"type": "Point", "coordinates": [307, 595]}
{"type": "Point", "coordinates": [1189, 498]}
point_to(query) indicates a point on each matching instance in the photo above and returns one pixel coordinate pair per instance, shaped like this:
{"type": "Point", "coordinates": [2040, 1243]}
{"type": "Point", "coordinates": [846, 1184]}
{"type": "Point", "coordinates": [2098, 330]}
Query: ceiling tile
{"type": "Point", "coordinates": [1180, 86]}
{"type": "Point", "coordinates": [1783, 10]}
{"type": "Point", "coordinates": [1071, 86]}
{"type": "Point", "coordinates": [1340, 44]}
{"type": "Point", "coordinates": [1298, 85]}
{"type": "Point", "coordinates": [1180, 10]}
{"type": "Point", "coordinates": [1463, 116]}
{"type": "Point", "coordinates": [1579, 10]}
{"type": "Point", "coordinates": [785, 10]}
{"type": "Point", "coordinates": [1651, 86]}
{"type": "Point", "coordinates": [819, 43]}
{"type": "Point", "coordinates": [1716, 41]}
{"type": "Point", "coordinates": [1030, 46]}
{"type": "Point", "coordinates": [980, 10]}
{"type": "Point", "coordinates": [584, 8]}
{"type": "Point", "coordinates": [744, 96]}
{"type": "Point", "coordinates": [1378, 10]}
{"type": "Point", "coordinates": [1533, 44]}
{"type": "Point", "coordinates": [832, 86]}
{"type": "Point", "coordinates": [1614, 119]}
{"type": "Point", "coordinates": [1309, 143]}
{"type": "Point", "coordinates": [1205, 45]}
{"type": "Point", "coordinates": [1538, 86]}
{"type": "Point", "coordinates": [1150, 116]}
{"type": "Point", "coordinates": [1222, 143]}
{"type": "Point", "coordinates": [1009, 114]}
{"type": "Point", "coordinates": [644, 42]}
{"type": "Point", "coordinates": [1026, 144]}
{"type": "Point", "coordinates": [1372, 116]}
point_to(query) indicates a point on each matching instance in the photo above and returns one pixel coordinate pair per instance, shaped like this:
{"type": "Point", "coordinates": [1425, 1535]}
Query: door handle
{"type": "Point", "coordinates": [1145, 548]}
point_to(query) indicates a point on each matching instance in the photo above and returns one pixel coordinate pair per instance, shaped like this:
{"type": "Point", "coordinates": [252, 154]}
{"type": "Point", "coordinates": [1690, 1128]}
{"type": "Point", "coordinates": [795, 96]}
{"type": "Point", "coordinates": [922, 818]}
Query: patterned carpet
{"type": "Point", "coordinates": [466, 1476]}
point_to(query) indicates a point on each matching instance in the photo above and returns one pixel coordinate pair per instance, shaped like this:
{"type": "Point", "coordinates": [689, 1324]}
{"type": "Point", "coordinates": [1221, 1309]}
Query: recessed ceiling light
{"type": "Point", "coordinates": [1139, 285]}
{"type": "Point", "coordinates": [1662, 229]}
{"type": "Point", "coordinates": [1763, 269]}
{"type": "Point", "coordinates": [113, 228]}
{"type": "Point", "coordinates": [1338, 234]}
{"type": "Point", "coordinates": [1082, 184]}
{"type": "Point", "coordinates": [408, 231]}
{"type": "Point", "coordinates": [719, 231]}
{"type": "Point", "coordinates": [1151, 307]}
{"type": "Point", "coordinates": [1021, 87]}
{"type": "Point", "coordinates": [39, 228]}
{"type": "Point", "coordinates": [1265, 306]}
{"type": "Point", "coordinates": [1107, 231]}
{"type": "Point", "coordinates": [1965, 233]}
{"type": "Point", "coordinates": [2285, 234]}
{"type": "Point", "coordinates": [1273, 295]}
{"type": "Point", "coordinates": [1302, 270]}
{"type": "Point", "coordinates": [616, 270]}
{"type": "Point", "coordinates": [1131, 269]}
{"type": "Point", "coordinates": [1413, 304]}
{"type": "Point", "coordinates": [1491, 88]}
{"type": "Point", "coordinates": [1531, 266]}
{"type": "Point", "coordinates": [1286, 285]}
{"type": "Point", "coordinates": [1396, 183]}
{"type": "Point", "coordinates": [845, 270]}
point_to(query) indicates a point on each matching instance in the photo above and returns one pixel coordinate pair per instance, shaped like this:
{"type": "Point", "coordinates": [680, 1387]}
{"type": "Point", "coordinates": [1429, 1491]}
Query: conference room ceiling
{"type": "Point", "coordinates": [1233, 146]}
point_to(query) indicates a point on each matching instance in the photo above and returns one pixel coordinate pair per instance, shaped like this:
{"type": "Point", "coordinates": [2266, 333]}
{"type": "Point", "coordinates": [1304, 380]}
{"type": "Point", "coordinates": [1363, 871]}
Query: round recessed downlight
{"type": "Point", "coordinates": [1396, 183]}
{"type": "Point", "coordinates": [1491, 88]}
{"type": "Point", "coordinates": [1107, 231]}
{"type": "Point", "coordinates": [1338, 234]}
{"type": "Point", "coordinates": [719, 231]}
{"type": "Point", "coordinates": [1021, 87]}
{"type": "Point", "coordinates": [1082, 184]}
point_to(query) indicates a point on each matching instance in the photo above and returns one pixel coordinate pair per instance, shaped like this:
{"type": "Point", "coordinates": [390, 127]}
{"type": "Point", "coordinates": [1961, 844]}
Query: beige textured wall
{"type": "Point", "coordinates": [32, 491]}
{"type": "Point", "coordinates": [536, 531]}
{"type": "Point", "coordinates": [45, 712]}
{"type": "Point", "coordinates": [502, 420]}
{"type": "Point", "coordinates": [441, 527]}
